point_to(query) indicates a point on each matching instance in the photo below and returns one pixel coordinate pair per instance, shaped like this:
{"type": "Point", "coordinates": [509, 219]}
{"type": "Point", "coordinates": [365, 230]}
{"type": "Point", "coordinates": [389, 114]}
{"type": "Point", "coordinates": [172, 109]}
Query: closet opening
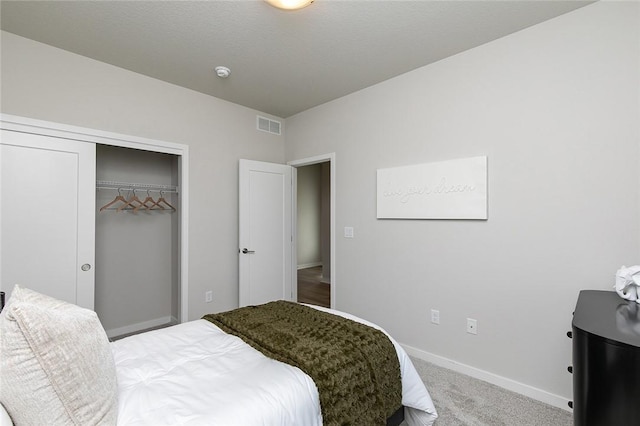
{"type": "Point", "coordinates": [137, 245]}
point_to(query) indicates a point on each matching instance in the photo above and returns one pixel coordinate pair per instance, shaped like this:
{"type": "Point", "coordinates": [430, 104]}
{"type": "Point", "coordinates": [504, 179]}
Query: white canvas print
{"type": "Point", "coordinates": [453, 189]}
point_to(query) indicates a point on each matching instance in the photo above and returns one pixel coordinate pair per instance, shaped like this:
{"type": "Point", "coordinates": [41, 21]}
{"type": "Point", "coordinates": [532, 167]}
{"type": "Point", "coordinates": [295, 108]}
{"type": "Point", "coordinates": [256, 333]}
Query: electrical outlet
{"type": "Point", "coordinates": [472, 326]}
{"type": "Point", "coordinates": [435, 316]}
{"type": "Point", "coordinates": [208, 296]}
{"type": "Point", "coordinates": [348, 232]}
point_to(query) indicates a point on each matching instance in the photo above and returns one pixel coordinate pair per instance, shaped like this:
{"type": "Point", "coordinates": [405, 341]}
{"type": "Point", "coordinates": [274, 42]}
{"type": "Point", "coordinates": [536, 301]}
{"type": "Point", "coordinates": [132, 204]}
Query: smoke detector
{"type": "Point", "coordinates": [223, 72]}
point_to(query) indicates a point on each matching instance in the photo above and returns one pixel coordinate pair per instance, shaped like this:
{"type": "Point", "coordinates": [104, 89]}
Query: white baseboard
{"type": "Point", "coordinates": [509, 384]}
{"type": "Point", "coordinates": [132, 328]}
{"type": "Point", "coordinates": [309, 265]}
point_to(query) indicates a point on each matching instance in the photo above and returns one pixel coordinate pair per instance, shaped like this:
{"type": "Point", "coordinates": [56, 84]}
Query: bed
{"type": "Point", "coordinates": [189, 374]}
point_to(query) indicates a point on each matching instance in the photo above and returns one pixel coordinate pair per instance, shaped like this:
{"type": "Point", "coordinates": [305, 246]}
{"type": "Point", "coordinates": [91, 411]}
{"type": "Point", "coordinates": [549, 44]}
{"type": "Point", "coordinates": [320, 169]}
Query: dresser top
{"type": "Point", "coordinates": [605, 314]}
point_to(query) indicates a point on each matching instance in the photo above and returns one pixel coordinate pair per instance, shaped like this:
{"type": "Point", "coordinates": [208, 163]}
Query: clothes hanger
{"type": "Point", "coordinates": [134, 202]}
{"type": "Point", "coordinates": [149, 199]}
{"type": "Point", "coordinates": [156, 204]}
{"type": "Point", "coordinates": [119, 198]}
{"type": "Point", "coordinates": [162, 200]}
{"type": "Point", "coordinates": [141, 204]}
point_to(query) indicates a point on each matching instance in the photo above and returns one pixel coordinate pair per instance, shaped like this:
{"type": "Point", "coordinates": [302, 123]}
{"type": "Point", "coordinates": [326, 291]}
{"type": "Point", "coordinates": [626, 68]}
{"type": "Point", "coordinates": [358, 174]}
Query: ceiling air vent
{"type": "Point", "coordinates": [270, 126]}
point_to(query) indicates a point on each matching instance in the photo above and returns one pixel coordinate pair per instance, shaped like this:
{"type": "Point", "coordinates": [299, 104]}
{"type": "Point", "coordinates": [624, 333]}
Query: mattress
{"type": "Point", "coordinates": [196, 374]}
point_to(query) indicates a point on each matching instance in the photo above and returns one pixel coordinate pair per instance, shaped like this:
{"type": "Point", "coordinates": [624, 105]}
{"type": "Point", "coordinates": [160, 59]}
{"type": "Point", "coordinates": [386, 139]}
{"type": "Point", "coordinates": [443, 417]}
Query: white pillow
{"type": "Point", "coordinates": [56, 366]}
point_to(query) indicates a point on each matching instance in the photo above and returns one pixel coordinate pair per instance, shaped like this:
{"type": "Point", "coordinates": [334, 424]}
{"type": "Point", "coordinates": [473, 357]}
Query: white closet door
{"type": "Point", "coordinates": [47, 216]}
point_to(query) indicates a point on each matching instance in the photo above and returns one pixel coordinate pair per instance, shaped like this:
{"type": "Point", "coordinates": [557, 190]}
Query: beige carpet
{"type": "Point", "coordinates": [464, 401]}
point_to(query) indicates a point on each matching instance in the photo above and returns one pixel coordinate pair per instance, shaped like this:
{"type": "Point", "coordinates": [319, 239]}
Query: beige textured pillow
{"type": "Point", "coordinates": [56, 366]}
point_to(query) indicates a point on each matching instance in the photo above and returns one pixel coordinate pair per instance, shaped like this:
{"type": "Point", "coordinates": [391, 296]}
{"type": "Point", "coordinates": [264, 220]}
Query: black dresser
{"type": "Point", "coordinates": [606, 360]}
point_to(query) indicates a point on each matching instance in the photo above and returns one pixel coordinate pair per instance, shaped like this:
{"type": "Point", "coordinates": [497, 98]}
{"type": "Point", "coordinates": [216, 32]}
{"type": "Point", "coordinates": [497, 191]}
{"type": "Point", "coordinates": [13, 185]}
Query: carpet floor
{"type": "Point", "coordinates": [464, 401]}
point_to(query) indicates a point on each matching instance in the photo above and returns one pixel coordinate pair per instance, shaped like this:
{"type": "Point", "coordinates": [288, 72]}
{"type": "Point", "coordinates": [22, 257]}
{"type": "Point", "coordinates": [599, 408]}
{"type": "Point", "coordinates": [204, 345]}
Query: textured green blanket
{"type": "Point", "coordinates": [354, 366]}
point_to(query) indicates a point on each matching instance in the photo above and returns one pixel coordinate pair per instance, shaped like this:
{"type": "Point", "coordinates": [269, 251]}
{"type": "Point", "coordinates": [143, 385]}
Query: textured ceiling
{"type": "Point", "coordinates": [281, 62]}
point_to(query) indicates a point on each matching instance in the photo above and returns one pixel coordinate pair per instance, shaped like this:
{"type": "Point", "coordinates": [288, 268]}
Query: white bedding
{"type": "Point", "coordinates": [196, 374]}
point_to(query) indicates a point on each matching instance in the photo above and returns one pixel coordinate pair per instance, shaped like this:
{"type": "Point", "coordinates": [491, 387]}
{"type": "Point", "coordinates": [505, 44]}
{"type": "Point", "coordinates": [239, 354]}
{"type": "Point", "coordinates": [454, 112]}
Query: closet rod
{"type": "Point", "coordinates": [109, 184]}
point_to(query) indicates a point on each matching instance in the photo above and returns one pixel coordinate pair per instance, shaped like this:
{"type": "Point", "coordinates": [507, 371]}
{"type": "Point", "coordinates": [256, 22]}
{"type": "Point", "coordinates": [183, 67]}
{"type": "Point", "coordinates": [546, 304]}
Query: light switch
{"type": "Point", "coordinates": [348, 232]}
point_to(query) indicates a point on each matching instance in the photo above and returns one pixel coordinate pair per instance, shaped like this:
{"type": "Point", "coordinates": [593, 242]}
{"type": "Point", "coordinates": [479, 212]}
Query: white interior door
{"type": "Point", "coordinates": [47, 216]}
{"type": "Point", "coordinates": [265, 232]}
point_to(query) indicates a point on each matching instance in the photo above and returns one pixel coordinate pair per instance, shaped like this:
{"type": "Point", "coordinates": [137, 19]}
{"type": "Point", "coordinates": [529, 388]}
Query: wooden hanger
{"type": "Point", "coordinates": [147, 200]}
{"type": "Point", "coordinates": [156, 205]}
{"type": "Point", "coordinates": [119, 198]}
{"type": "Point", "coordinates": [162, 201]}
{"type": "Point", "coordinates": [134, 202]}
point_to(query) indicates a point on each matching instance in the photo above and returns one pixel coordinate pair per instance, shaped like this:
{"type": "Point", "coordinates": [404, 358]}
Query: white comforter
{"type": "Point", "coordinates": [196, 374]}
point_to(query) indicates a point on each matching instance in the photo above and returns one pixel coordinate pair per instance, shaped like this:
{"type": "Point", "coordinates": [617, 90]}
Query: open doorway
{"type": "Point", "coordinates": [314, 278]}
{"type": "Point", "coordinates": [313, 234]}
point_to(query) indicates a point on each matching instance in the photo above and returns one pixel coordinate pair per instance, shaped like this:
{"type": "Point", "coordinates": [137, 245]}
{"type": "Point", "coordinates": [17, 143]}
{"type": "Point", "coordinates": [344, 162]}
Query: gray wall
{"type": "Point", "coordinates": [308, 211]}
{"type": "Point", "coordinates": [555, 109]}
{"type": "Point", "coordinates": [47, 83]}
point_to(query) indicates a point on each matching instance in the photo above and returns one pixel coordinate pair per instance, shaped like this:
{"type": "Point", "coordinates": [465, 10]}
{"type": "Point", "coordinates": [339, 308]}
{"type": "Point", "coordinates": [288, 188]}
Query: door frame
{"type": "Point", "coordinates": [83, 134]}
{"type": "Point", "coordinates": [322, 158]}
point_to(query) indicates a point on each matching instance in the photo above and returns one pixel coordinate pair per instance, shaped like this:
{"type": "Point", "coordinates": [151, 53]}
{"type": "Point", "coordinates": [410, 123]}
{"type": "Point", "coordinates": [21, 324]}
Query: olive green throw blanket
{"type": "Point", "coordinates": [355, 367]}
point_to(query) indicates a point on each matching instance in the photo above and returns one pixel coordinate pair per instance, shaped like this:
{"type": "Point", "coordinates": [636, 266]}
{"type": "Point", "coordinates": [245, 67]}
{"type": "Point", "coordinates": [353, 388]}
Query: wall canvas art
{"type": "Point", "coordinates": [453, 189]}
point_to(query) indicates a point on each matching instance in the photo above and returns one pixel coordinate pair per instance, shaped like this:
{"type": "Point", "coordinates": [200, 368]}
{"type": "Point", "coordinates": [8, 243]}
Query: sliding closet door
{"type": "Point", "coordinates": [47, 216]}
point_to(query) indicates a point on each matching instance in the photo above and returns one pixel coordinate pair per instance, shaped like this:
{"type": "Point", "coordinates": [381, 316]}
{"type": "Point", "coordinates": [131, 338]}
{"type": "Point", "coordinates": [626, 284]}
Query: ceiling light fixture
{"type": "Point", "coordinates": [223, 72]}
{"type": "Point", "coordinates": [289, 4]}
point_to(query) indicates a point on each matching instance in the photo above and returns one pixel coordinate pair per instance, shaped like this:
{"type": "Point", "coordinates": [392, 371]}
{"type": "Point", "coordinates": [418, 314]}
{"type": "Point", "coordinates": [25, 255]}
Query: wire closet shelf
{"type": "Point", "coordinates": [129, 186]}
{"type": "Point", "coordinates": [133, 203]}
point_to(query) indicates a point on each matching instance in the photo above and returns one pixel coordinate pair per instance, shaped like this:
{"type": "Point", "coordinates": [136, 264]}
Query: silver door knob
{"type": "Point", "coordinates": [247, 251]}
{"type": "Point", "coordinates": [85, 267]}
